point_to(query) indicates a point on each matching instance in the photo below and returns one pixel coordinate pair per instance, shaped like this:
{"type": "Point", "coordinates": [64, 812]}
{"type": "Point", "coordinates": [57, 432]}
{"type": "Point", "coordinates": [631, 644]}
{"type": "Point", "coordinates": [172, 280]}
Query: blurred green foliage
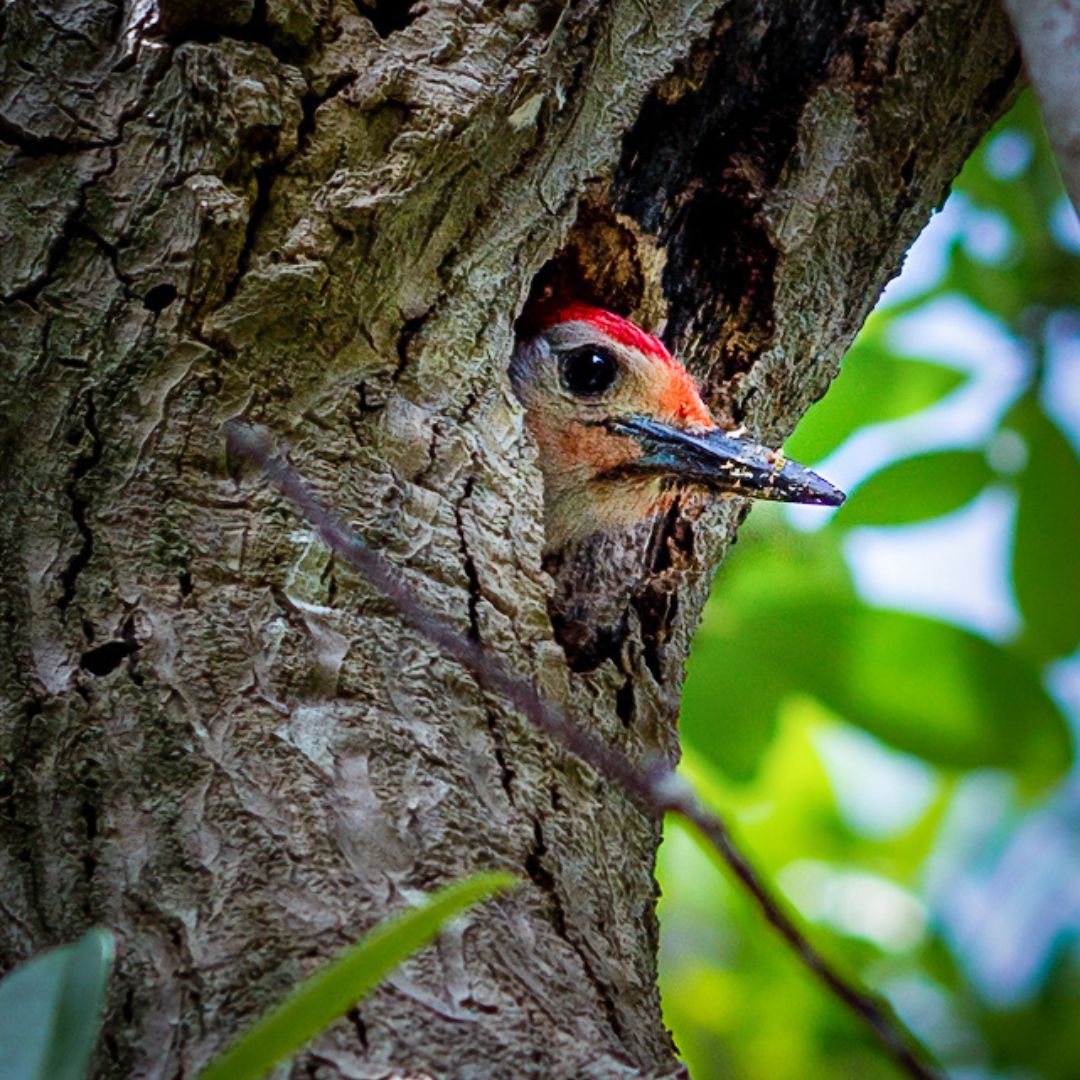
{"type": "Point", "coordinates": [904, 776]}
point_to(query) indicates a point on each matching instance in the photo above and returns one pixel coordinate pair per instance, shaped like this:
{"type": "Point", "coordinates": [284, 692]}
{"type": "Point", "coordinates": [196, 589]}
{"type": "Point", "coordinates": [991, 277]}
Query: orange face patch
{"type": "Point", "coordinates": [680, 401]}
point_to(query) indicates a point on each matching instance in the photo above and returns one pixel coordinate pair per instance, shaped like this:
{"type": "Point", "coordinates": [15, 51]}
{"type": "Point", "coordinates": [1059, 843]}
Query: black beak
{"type": "Point", "coordinates": [725, 464]}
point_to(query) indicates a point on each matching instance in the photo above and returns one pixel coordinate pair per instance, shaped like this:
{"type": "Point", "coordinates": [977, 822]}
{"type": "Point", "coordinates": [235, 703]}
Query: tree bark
{"type": "Point", "coordinates": [325, 216]}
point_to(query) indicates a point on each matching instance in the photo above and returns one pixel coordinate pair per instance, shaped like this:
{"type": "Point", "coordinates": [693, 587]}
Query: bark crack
{"type": "Point", "coordinates": [267, 172]}
{"type": "Point", "coordinates": [55, 256]}
{"type": "Point", "coordinates": [544, 880]}
{"type": "Point", "coordinates": [89, 813]}
{"type": "Point", "coordinates": [359, 1027]}
{"type": "Point", "coordinates": [35, 146]}
{"type": "Point", "coordinates": [408, 331]}
{"type": "Point", "coordinates": [492, 715]}
{"type": "Point", "coordinates": [468, 562]}
{"type": "Point", "coordinates": [264, 176]}
{"type": "Point", "coordinates": [79, 505]}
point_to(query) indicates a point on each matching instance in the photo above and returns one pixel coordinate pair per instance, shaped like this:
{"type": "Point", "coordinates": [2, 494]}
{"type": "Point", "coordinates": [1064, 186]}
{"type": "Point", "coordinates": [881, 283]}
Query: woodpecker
{"type": "Point", "coordinates": [626, 447]}
{"type": "Point", "coordinates": [622, 429]}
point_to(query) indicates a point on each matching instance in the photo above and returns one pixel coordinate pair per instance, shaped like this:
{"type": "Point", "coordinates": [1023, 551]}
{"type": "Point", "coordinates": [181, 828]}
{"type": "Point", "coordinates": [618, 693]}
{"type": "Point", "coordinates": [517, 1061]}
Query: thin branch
{"type": "Point", "coordinates": [657, 790]}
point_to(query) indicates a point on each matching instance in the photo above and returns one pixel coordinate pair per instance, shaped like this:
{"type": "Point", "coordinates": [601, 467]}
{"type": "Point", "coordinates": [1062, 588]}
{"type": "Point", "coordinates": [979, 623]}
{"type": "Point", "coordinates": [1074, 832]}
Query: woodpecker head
{"type": "Point", "coordinates": [622, 429]}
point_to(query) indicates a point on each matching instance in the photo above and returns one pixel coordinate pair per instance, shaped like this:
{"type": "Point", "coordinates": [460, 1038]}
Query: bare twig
{"type": "Point", "coordinates": [658, 790]}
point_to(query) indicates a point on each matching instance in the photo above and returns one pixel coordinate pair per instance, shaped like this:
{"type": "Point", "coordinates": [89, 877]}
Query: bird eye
{"type": "Point", "coordinates": [588, 372]}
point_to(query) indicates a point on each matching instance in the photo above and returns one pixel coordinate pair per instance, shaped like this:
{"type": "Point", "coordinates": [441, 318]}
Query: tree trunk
{"type": "Point", "coordinates": [325, 215]}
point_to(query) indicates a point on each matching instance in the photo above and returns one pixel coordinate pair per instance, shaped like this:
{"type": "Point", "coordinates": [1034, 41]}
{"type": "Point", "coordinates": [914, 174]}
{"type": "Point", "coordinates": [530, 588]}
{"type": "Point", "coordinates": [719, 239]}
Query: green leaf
{"type": "Point", "coordinates": [918, 489]}
{"type": "Point", "coordinates": [331, 991]}
{"type": "Point", "coordinates": [50, 1010]}
{"type": "Point", "coordinates": [923, 686]}
{"type": "Point", "coordinates": [784, 619]}
{"type": "Point", "coordinates": [873, 386]}
{"type": "Point", "coordinates": [947, 695]}
{"type": "Point", "coordinates": [1046, 548]}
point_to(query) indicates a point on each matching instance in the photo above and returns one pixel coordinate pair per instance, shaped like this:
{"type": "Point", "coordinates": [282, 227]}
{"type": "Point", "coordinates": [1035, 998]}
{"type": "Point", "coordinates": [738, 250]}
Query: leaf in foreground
{"type": "Point", "coordinates": [332, 990]}
{"type": "Point", "coordinates": [50, 1010]}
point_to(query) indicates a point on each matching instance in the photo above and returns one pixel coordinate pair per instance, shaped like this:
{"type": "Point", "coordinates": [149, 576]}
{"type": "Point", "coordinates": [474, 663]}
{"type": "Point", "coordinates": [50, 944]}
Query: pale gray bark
{"type": "Point", "coordinates": [325, 215]}
{"type": "Point", "coordinates": [1049, 33]}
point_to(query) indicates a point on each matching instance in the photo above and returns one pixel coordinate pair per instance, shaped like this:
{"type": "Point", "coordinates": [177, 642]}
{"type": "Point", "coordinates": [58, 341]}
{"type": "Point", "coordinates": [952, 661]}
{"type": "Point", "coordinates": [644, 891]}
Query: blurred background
{"type": "Point", "coordinates": [884, 701]}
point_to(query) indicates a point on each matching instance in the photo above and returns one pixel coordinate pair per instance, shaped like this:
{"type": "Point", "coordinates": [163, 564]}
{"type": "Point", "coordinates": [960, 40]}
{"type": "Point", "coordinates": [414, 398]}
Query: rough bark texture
{"type": "Point", "coordinates": [325, 215]}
